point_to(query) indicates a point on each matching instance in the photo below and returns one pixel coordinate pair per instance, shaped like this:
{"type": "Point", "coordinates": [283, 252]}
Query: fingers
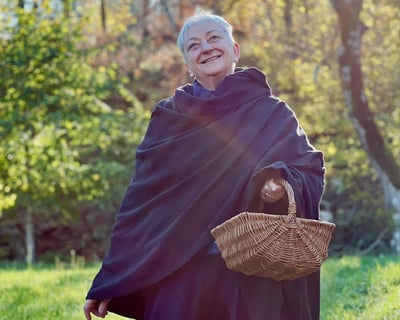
{"type": "Point", "coordinates": [90, 306]}
{"type": "Point", "coordinates": [98, 308]}
{"type": "Point", "coordinates": [272, 190]}
{"type": "Point", "coordinates": [103, 307]}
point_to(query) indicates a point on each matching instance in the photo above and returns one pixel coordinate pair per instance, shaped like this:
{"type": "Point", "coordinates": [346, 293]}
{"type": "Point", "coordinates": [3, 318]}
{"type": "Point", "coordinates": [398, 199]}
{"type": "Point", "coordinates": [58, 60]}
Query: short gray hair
{"type": "Point", "coordinates": [201, 16]}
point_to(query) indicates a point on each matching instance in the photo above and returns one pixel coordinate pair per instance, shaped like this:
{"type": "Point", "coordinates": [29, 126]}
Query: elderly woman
{"type": "Point", "coordinates": [217, 147]}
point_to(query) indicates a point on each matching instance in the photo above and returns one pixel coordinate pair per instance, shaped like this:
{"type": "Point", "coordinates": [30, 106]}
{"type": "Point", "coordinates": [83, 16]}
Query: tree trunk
{"type": "Point", "coordinates": [145, 11]}
{"type": "Point", "coordinates": [29, 238]}
{"type": "Point", "coordinates": [380, 156]}
{"type": "Point", "coordinates": [288, 15]}
{"type": "Point", "coordinates": [167, 11]}
{"type": "Point", "coordinates": [103, 15]}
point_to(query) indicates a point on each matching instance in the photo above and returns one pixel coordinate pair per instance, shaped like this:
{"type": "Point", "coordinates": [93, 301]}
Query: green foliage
{"type": "Point", "coordinates": [381, 63]}
{"type": "Point", "coordinates": [296, 44]}
{"type": "Point", "coordinates": [67, 155]}
{"type": "Point", "coordinates": [62, 146]}
{"type": "Point", "coordinates": [353, 195]}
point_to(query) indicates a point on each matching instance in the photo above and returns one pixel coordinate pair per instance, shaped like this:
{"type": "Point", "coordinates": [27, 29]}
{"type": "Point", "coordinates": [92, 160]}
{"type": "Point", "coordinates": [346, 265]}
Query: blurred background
{"type": "Point", "coordinates": [79, 78]}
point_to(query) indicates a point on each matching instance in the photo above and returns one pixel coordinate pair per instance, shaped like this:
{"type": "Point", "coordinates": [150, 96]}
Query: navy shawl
{"type": "Point", "coordinates": [201, 162]}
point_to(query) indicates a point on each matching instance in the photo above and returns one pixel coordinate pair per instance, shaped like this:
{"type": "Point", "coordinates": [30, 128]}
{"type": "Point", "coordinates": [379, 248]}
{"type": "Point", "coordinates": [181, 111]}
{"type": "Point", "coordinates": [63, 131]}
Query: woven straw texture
{"type": "Point", "coordinates": [274, 246]}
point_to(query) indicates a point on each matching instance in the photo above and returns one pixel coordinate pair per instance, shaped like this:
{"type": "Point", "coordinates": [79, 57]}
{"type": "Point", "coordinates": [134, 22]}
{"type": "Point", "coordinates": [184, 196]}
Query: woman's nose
{"type": "Point", "coordinates": [206, 47]}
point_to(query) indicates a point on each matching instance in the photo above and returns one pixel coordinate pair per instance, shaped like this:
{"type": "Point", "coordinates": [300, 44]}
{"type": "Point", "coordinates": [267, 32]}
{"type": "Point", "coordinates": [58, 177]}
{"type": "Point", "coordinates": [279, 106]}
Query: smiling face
{"type": "Point", "coordinates": [209, 53]}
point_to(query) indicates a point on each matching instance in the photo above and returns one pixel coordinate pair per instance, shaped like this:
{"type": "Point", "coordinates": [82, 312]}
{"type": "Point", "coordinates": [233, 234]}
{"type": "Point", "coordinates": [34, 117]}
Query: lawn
{"type": "Point", "coordinates": [352, 288]}
{"type": "Point", "coordinates": [365, 288]}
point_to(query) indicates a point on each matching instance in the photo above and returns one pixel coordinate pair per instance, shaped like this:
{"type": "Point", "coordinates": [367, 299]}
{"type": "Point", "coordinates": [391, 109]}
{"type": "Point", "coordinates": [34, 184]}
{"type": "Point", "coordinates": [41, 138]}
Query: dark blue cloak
{"type": "Point", "coordinates": [202, 161]}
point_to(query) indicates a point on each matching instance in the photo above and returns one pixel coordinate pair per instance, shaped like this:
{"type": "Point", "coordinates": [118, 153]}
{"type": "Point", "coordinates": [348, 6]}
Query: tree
{"type": "Point", "coordinates": [378, 151]}
{"type": "Point", "coordinates": [295, 43]}
{"type": "Point", "coordinates": [78, 149]}
{"type": "Point", "coordinates": [61, 145]}
{"type": "Point", "coordinates": [103, 15]}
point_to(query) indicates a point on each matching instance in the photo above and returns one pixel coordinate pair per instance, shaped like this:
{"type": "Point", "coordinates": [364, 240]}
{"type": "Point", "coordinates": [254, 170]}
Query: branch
{"type": "Point", "coordinates": [352, 29]}
{"type": "Point", "coordinates": [374, 244]}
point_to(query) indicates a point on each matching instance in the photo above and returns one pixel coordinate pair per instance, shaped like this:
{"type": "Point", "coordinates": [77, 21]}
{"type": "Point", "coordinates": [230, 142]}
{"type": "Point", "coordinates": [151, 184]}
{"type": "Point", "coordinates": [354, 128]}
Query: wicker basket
{"type": "Point", "coordinates": [274, 246]}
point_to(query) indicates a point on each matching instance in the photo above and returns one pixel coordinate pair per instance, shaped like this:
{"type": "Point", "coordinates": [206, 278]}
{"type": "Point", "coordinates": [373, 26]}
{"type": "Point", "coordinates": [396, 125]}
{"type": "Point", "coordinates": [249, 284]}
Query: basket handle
{"type": "Point", "coordinates": [292, 202]}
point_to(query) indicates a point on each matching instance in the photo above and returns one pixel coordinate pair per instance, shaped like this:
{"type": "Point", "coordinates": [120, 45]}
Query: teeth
{"type": "Point", "coordinates": [211, 59]}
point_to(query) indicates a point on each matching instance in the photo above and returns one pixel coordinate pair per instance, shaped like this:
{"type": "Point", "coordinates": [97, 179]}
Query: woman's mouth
{"type": "Point", "coordinates": [211, 59]}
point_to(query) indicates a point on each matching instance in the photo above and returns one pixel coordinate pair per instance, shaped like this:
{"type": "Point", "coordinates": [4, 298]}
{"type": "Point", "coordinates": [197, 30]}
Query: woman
{"type": "Point", "coordinates": [212, 150]}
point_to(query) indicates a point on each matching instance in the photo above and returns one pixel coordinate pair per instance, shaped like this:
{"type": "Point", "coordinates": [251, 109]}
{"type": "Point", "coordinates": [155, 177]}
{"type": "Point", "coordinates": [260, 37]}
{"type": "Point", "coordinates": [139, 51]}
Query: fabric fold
{"type": "Point", "coordinates": [201, 162]}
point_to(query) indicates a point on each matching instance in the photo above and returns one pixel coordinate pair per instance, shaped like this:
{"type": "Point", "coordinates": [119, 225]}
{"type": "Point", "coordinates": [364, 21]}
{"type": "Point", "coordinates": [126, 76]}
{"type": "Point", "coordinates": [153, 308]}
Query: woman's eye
{"type": "Point", "coordinates": [192, 46]}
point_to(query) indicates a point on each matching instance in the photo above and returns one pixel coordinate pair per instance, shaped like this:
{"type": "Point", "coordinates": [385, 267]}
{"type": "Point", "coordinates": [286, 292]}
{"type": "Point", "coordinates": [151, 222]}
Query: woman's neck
{"type": "Point", "coordinates": [210, 83]}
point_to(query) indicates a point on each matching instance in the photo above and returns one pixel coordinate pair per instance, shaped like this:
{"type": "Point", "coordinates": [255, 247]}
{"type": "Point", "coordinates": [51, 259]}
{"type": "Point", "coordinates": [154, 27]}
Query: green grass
{"type": "Point", "coordinates": [42, 293]}
{"type": "Point", "coordinates": [365, 288]}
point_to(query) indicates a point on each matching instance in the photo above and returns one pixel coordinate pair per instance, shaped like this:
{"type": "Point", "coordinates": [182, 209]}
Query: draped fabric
{"type": "Point", "coordinates": [202, 161]}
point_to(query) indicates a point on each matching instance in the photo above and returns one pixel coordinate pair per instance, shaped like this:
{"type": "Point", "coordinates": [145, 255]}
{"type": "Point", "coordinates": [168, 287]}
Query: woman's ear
{"type": "Point", "coordinates": [189, 71]}
{"type": "Point", "coordinates": [236, 51]}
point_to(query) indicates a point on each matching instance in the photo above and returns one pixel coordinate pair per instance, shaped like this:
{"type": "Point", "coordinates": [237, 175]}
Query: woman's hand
{"type": "Point", "coordinates": [97, 307]}
{"type": "Point", "coordinates": [272, 190]}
